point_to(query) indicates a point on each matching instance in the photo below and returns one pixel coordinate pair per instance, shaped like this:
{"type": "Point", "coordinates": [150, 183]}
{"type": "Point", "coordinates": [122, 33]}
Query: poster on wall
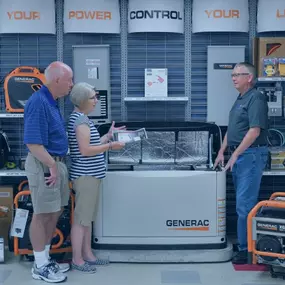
{"type": "Point", "coordinates": [271, 16]}
{"type": "Point", "coordinates": [89, 16]}
{"type": "Point", "coordinates": [165, 16]}
{"type": "Point", "coordinates": [156, 82]}
{"type": "Point", "coordinates": [220, 16]}
{"type": "Point", "coordinates": [27, 17]}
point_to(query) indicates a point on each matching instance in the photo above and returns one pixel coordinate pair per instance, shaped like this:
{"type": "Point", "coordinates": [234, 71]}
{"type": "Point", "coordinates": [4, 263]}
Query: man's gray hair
{"type": "Point", "coordinates": [250, 68]}
{"type": "Point", "coordinates": [80, 93]}
{"type": "Point", "coordinates": [55, 70]}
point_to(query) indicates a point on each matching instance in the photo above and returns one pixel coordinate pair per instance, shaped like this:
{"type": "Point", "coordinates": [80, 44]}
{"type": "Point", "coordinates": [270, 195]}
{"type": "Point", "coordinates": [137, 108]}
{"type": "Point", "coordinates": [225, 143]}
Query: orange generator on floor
{"type": "Point", "coordinates": [266, 233]}
{"type": "Point", "coordinates": [61, 241]}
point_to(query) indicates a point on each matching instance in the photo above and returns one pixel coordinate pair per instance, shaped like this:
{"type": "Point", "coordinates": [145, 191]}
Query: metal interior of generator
{"type": "Point", "coordinates": [169, 148]}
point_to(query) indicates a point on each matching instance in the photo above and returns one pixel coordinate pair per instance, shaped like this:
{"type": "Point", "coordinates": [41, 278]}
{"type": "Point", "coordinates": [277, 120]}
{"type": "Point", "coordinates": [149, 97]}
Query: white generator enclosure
{"type": "Point", "coordinates": [161, 200]}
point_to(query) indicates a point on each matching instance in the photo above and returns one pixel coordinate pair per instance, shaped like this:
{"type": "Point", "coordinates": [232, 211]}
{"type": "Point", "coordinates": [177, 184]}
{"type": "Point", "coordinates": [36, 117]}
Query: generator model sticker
{"type": "Point", "coordinates": [271, 227]}
{"type": "Point", "coordinates": [188, 225]}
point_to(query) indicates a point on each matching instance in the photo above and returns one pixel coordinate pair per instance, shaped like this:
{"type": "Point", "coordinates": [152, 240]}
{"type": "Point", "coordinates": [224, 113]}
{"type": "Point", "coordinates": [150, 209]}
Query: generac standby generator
{"type": "Point", "coordinates": [19, 85]}
{"type": "Point", "coordinates": [161, 200]}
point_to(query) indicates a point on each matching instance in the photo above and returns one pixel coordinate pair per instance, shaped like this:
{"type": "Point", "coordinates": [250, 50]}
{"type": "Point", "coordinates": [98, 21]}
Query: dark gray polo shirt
{"type": "Point", "coordinates": [248, 111]}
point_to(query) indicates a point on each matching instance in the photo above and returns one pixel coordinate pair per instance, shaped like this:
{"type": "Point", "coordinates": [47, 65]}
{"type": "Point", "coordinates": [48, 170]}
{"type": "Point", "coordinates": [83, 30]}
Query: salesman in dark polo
{"type": "Point", "coordinates": [246, 139]}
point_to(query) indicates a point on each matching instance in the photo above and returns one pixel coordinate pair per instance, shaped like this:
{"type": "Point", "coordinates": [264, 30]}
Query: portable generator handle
{"type": "Point", "coordinates": [22, 184]}
{"type": "Point", "coordinates": [27, 69]}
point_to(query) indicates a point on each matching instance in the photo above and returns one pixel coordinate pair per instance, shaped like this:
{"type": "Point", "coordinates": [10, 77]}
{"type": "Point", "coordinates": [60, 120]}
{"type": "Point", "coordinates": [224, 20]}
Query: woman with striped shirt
{"type": "Point", "coordinates": [86, 173]}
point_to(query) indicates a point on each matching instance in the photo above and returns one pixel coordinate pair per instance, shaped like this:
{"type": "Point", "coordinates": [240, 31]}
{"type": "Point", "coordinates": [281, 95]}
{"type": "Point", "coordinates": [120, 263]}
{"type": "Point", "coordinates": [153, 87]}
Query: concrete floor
{"type": "Point", "coordinates": [18, 271]}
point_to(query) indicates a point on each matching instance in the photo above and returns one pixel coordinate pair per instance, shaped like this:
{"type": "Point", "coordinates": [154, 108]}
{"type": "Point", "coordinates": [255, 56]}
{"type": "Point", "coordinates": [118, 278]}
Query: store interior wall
{"type": "Point", "coordinates": [130, 54]}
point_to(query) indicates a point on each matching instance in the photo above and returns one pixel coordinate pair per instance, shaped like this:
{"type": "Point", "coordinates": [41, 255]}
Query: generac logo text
{"type": "Point", "coordinates": [280, 13]}
{"type": "Point", "coordinates": [24, 15]}
{"type": "Point", "coordinates": [223, 13]}
{"type": "Point", "coordinates": [90, 15]}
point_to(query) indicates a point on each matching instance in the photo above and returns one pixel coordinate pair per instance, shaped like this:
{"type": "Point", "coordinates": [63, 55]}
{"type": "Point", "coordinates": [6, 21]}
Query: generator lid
{"type": "Point", "coordinates": [183, 143]}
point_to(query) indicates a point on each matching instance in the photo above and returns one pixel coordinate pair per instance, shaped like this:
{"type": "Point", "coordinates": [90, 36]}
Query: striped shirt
{"type": "Point", "coordinates": [84, 165]}
{"type": "Point", "coordinates": [43, 123]}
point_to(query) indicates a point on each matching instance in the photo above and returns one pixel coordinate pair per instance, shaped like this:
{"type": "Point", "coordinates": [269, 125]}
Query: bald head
{"type": "Point", "coordinates": [58, 77]}
{"type": "Point", "coordinates": [56, 70]}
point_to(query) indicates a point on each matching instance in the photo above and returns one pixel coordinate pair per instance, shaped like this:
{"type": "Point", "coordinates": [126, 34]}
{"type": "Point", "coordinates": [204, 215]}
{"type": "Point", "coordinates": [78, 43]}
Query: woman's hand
{"type": "Point", "coordinates": [116, 145]}
{"type": "Point", "coordinates": [113, 129]}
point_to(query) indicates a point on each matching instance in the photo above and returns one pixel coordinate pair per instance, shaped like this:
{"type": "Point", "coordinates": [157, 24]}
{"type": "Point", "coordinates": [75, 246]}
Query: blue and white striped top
{"type": "Point", "coordinates": [84, 165]}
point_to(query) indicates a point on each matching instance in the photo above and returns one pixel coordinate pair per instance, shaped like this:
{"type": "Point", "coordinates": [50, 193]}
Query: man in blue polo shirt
{"type": "Point", "coordinates": [246, 139]}
{"type": "Point", "coordinates": [46, 139]}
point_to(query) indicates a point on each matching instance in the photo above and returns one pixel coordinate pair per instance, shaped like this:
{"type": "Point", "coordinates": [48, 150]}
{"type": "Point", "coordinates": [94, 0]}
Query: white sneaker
{"type": "Point", "coordinates": [48, 273]}
{"type": "Point", "coordinates": [62, 267]}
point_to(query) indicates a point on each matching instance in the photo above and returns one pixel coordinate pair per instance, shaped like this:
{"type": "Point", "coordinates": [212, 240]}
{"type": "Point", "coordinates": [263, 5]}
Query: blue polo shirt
{"type": "Point", "coordinates": [43, 123]}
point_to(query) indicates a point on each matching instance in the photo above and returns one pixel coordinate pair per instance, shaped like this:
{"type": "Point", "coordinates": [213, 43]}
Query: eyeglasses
{"type": "Point", "coordinates": [239, 74]}
{"type": "Point", "coordinates": [96, 96]}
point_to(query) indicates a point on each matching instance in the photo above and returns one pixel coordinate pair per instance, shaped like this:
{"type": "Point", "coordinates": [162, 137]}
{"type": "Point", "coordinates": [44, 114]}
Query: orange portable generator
{"type": "Point", "coordinates": [61, 241]}
{"type": "Point", "coordinates": [19, 85]}
{"type": "Point", "coordinates": [266, 233]}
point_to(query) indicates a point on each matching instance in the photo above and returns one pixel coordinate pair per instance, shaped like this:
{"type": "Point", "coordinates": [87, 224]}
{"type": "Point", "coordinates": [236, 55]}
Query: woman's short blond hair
{"type": "Point", "coordinates": [81, 93]}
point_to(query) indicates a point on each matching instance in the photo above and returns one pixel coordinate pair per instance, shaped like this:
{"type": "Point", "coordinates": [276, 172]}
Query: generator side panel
{"type": "Point", "coordinates": [221, 203]}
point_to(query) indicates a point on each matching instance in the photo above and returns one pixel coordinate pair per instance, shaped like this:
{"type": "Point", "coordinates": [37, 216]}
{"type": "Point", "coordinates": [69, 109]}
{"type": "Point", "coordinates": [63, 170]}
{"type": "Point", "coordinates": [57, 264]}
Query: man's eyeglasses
{"type": "Point", "coordinates": [238, 74]}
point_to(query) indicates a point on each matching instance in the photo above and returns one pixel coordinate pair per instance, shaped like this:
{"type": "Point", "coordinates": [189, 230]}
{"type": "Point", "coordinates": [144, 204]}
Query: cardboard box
{"type": "Point", "coordinates": [6, 211]}
{"type": "Point", "coordinates": [268, 48]}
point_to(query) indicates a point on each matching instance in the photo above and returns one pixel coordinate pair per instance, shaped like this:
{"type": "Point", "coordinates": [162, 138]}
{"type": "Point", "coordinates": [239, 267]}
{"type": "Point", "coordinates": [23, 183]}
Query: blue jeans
{"type": "Point", "coordinates": [247, 173]}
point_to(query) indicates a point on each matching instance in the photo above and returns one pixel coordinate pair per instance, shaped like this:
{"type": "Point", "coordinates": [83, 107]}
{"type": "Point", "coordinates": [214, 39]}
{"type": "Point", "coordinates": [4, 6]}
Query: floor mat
{"type": "Point", "coordinates": [250, 267]}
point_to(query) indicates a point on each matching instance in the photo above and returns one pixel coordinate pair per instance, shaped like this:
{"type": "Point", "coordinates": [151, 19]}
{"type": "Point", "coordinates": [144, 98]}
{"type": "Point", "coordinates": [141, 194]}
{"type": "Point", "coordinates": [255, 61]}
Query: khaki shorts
{"type": "Point", "coordinates": [46, 199]}
{"type": "Point", "coordinates": [86, 199]}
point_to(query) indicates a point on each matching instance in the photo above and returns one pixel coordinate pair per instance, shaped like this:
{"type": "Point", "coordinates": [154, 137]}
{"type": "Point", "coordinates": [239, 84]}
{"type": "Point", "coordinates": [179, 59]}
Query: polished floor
{"type": "Point", "coordinates": [18, 271]}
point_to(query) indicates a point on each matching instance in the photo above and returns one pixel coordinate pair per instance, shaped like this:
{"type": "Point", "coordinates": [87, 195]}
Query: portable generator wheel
{"type": "Point", "coordinates": [269, 244]}
{"type": "Point", "coordinates": [276, 274]}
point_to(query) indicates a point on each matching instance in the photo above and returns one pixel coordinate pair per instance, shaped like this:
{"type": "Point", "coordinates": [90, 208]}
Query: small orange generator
{"type": "Point", "coordinates": [266, 234]}
{"type": "Point", "coordinates": [27, 79]}
{"type": "Point", "coordinates": [60, 244]}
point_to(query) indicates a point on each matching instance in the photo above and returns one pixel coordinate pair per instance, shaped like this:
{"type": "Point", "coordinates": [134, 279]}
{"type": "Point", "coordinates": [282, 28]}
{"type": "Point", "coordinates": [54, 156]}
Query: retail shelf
{"type": "Point", "coordinates": [18, 173]}
{"type": "Point", "coordinates": [11, 115]}
{"type": "Point", "coordinates": [12, 172]}
{"type": "Point", "coordinates": [271, 79]}
{"type": "Point", "coordinates": [274, 173]}
{"type": "Point", "coordinates": [165, 99]}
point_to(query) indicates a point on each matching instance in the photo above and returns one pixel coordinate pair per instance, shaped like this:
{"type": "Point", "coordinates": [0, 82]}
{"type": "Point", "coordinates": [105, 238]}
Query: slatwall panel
{"type": "Point", "coordinates": [200, 43]}
{"type": "Point", "coordinates": [22, 50]}
{"type": "Point", "coordinates": [155, 50]}
{"type": "Point", "coordinates": [115, 65]}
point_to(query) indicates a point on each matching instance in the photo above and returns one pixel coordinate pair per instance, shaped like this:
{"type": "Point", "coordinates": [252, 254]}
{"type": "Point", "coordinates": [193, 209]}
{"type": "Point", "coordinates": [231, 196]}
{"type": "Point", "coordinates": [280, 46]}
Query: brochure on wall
{"type": "Point", "coordinates": [127, 136]}
{"type": "Point", "coordinates": [156, 82]}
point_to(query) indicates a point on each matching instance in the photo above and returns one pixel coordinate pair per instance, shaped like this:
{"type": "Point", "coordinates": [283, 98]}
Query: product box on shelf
{"type": "Point", "coordinates": [269, 56]}
{"type": "Point", "coordinates": [6, 211]}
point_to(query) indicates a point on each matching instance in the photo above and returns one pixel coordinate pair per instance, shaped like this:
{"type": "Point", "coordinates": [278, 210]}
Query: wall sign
{"type": "Point", "coordinates": [89, 16]}
{"type": "Point", "coordinates": [156, 16]}
{"type": "Point", "coordinates": [220, 16]}
{"type": "Point", "coordinates": [271, 16]}
{"type": "Point", "coordinates": [27, 16]}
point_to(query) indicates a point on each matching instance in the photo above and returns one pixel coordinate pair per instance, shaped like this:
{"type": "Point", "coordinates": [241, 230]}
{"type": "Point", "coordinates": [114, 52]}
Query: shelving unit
{"type": "Point", "coordinates": [271, 79]}
{"type": "Point", "coordinates": [16, 172]}
{"type": "Point", "coordinates": [11, 115]}
{"type": "Point", "coordinates": [12, 173]}
{"type": "Point", "coordinates": [163, 99]}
